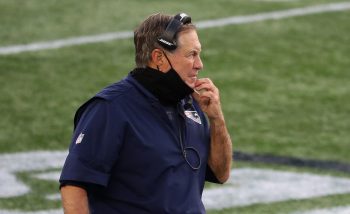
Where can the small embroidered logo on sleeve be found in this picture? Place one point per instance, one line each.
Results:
(80, 138)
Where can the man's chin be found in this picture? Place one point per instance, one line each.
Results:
(191, 83)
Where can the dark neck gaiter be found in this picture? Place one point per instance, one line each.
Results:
(168, 87)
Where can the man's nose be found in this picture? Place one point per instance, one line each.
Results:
(198, 63)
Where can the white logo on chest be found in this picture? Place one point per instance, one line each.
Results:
(193, 115)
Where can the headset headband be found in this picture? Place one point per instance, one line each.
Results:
(167, 40)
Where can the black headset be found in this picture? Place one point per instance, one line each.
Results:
(167, 39)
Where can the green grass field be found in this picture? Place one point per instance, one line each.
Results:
(284, 83)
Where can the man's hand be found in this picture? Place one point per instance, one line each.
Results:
(207, 95)
(220, 156)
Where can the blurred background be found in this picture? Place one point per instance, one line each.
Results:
(283, 78)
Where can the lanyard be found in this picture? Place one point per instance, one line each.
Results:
(190, 154)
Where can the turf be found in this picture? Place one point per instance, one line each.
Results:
(283, 83)
(285, 90)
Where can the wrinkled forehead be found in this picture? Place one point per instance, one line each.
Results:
(189, 40)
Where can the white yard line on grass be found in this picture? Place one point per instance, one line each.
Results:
(275, 15)
(276, 0)
(12, 163)
(248, 186)
(333, 210)
(14, 49)
(234, 20)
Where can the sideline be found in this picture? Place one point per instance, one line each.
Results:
(246, 186)
(292, 161)
(234, 20)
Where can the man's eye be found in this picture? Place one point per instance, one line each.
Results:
(194, 54)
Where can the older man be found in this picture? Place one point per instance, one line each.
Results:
(147, 143)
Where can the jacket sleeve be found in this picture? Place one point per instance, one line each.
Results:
(96, 142)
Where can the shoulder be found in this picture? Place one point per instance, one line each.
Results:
(116, 90)
(107, 99)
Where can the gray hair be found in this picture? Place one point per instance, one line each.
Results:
(146, 35)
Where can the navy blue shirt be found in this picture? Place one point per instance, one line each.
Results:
(127, 142)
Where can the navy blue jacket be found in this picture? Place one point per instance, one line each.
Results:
(126, 142)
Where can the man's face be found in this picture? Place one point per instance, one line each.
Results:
(186, 58)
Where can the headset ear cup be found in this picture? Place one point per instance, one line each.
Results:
(183, 18)
(167, 38)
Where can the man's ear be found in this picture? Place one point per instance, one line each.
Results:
(157, 57)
